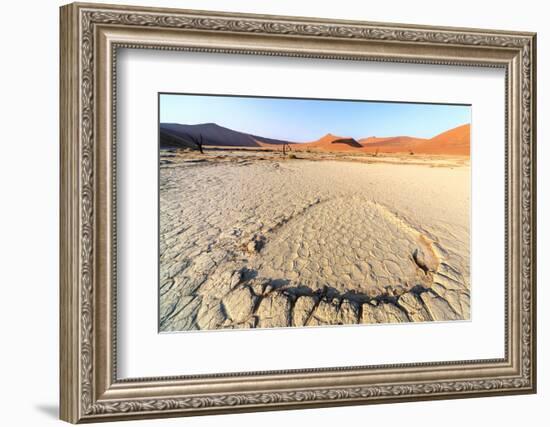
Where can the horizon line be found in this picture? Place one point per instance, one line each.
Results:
(322, 136)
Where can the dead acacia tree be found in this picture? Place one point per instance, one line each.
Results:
(285, 145)
(198, 142)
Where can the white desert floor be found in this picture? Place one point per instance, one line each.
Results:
(251, 239)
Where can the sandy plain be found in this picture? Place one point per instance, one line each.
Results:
(251, 238)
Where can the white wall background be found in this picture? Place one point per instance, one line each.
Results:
(29, 170)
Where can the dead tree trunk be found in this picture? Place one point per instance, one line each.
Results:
(200, 144)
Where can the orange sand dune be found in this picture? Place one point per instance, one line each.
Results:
(395, 144)
(330, 142)
(454, 141)
(373, 140)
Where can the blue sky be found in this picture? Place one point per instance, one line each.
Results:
(307, 120)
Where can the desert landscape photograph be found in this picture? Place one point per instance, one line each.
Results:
(292, 212)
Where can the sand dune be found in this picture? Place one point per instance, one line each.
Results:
(330, 142)
(397, 144)
(452, 142)
(183, 136)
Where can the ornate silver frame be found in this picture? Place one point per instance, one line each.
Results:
(90, 36)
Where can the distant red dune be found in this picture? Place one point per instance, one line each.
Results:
(394, 144)
(330, 142)
(455, 141)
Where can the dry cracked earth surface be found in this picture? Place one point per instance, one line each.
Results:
(255, 240)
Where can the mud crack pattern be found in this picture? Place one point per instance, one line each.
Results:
(251, 242)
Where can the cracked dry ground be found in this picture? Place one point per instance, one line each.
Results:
(250, 241)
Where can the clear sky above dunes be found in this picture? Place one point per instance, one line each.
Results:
(304, 120)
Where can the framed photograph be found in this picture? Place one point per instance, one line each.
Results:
(266, 212)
